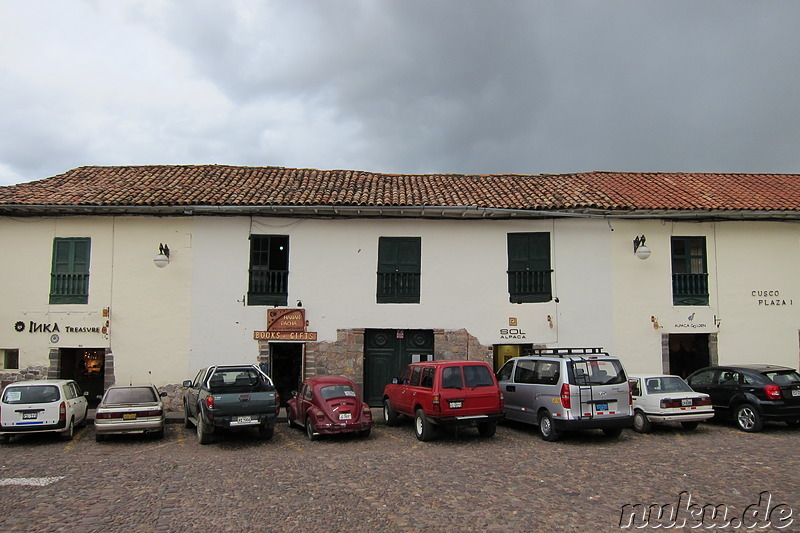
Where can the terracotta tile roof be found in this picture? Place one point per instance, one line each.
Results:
(233, 186)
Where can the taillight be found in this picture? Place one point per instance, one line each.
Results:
(367, 412)
(773, 392)
(320, 416)
(565, 399)
(670, 404)
(703, 401)
(630, 393)
(277, 403)
(210, 402)
(502, 401)
(62, 411)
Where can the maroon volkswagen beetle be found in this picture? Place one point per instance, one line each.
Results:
(329, 404)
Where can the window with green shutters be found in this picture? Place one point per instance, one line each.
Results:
(269, 270)
(689, 271)
(399, 269)
(529, 269)
(69, 277)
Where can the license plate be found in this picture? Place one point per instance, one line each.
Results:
(601, 407)
(796, 392)
(129, 416)
(686, 402)
(30, 416)
(455, 405)
(243, 420)
(345, 416)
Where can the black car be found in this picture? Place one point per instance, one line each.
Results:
(751, 394)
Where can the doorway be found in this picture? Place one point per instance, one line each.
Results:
(688, 352)
(387, 352)
(286, 367)
(87, 367)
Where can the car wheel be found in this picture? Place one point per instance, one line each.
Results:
(422, 427)
(487, 429)
(364, 434)
(689, 426)
(265, 432)
(186, 422)
(289, 417)
(546, 429)
(748, 419)
(99, 438)
(203, 433)
(310, 430)
(389, 414)
(640, 422)
(68, 433)
(612, 433)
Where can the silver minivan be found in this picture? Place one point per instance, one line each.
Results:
(565, 389)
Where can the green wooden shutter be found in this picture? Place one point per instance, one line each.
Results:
(529, 269)
(69, 277)
(399, 269)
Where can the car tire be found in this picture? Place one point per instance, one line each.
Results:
(690, 426)
(310, 430)
(68, 433)
(546, 429)
(289, 418)
(389, 414)
(203, 433)
(640, 422)
(423, 429)
(487, 429)
(266, 432)
(364, 434)
(748, 418)
(99, 438)
(612, 433)
(186, 422)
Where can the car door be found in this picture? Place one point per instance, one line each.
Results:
(729, 383)
(80, 405)
(409, 380)
(193, 393)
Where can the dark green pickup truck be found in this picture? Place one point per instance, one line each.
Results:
(230, 397)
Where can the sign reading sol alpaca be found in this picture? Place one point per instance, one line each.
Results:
(285, 325)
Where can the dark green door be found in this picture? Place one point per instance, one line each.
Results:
(387, 352)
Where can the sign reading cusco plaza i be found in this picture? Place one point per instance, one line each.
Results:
(285, 325)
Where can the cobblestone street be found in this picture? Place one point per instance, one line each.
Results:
(388, 482)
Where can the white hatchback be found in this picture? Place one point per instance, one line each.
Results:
(42, 406)
(661, 398)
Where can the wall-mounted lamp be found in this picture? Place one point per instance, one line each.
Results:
(162, 258)
(639, 249)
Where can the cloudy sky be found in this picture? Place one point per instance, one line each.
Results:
(408, 86)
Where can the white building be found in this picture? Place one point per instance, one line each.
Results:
(313, 272)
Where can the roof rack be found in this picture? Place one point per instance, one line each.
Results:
(567, 352)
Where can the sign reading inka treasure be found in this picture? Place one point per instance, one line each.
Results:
(285, 325)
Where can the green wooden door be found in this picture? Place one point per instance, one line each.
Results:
(387, 352)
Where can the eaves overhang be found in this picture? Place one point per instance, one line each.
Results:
(386, 211)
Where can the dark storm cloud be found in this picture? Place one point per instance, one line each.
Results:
(423, 86)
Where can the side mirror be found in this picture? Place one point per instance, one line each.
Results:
(294, 393)
(395, 381)
(187, 383)
(98, 397)
(163, 394)
(86, 393)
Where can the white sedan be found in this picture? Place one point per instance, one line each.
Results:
(663, 398)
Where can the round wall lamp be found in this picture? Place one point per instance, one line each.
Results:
(162, 258)
(639, 249)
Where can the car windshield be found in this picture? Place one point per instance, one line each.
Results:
(234, 377)
(598, 372)
(337, 391)
(785, 377)
(130, 395)
(666, 384)
(31, 394)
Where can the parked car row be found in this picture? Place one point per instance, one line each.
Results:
(557, 390)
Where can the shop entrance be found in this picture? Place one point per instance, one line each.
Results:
(286, 367)
(87, 367)
(387, 352)
(688, 352)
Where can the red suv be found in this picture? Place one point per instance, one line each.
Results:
(446, 394)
